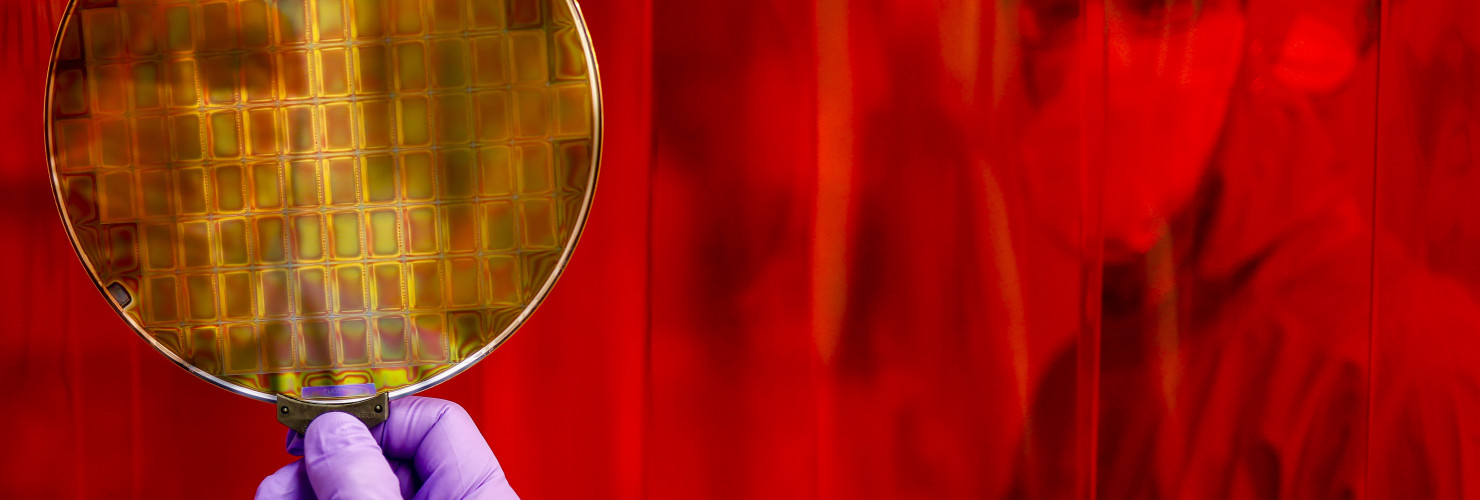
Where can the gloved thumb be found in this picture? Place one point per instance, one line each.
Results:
(343, 460)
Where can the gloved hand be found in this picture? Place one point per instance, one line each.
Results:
(427, 449)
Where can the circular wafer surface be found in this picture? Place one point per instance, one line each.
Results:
(306, 193)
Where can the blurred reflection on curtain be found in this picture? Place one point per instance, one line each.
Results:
(1242, 352)
(1233, 361)
(948, 307)
(1426, 383)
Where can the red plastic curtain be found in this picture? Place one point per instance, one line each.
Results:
(904, 249)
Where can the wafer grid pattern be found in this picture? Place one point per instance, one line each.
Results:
(304, 193)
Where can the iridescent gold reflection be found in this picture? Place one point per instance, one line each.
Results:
(303, 192)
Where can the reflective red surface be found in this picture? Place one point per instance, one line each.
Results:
(845, 249)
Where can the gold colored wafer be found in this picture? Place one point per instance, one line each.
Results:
(288, 194)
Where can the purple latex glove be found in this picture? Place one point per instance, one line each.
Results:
(427, 449)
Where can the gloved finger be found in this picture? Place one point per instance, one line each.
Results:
(406, 475)
(344, 461)
(440, 439)
(288, 483)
